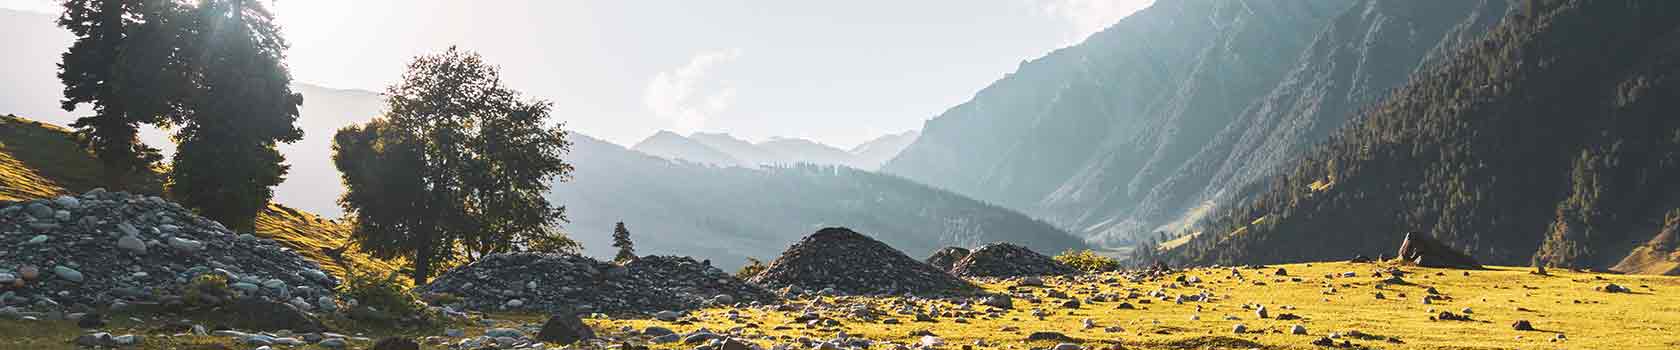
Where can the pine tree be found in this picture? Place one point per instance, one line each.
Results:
(457, 168)
(621, 240)
(227, 163)
(125, 62)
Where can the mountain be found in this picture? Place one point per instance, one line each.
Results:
(876, 152)
(669, 145)
(1179, 108)
(732, 213)
(725, 150)
(1552, 140)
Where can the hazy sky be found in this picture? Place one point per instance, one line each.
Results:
(840, 72)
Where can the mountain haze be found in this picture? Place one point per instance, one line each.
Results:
(722, 149)
(1179, 108)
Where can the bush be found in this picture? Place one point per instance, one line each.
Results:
(1087, 260)
(753, 267)
(389, 294)
(206, 289)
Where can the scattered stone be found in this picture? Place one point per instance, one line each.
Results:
(1049, 336)
(132, 244)
(667, 316)
(945, 258)
(91, 320)
(1067, 346)
(395, 343)
(1239, 329)
(999, 301)
(1298, 330)
(68, 274)
(650, 284)
(275, 316)
(1614, 288)
(1522, 325)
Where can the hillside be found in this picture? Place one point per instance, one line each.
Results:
(729, 214)
(1553, 140)
(726, 150)
(1179, 108)
(39, 160)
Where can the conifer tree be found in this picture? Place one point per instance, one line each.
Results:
(621, 240)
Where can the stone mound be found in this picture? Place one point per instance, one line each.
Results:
(946, 257)
(849, 263)
(108, 249)
(1008, 260)
(1423, 250)
(573, 283)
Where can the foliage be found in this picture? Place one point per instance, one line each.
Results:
(227, 163)
(389, 293)
(457, 168)
(206, 289)
(752, 268)
(621, 240)
(125, 64)
(1087, 260)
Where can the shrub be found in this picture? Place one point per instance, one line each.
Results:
(753, 267)
(1087, 260)
(388, 294)
(206, 289)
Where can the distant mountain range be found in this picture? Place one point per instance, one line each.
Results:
(724, 150)
(1180, 109)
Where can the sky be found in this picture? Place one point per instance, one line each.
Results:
(838, 72)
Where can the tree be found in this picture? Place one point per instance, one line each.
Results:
(226, 162)
(457, 168)
(621, 240)
(126, 62)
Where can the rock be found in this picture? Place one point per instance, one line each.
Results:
(1067, 346)
(947, 257)
(39, 210)
(1298, 330)
(395, 343)
(94, 339)
(666, 339)
(854, 264)
(132, 244)
(185, 245)
(454, 333)
(1239, 329)
(275, 316)
(333, 343)
(38, 239)
(503, 333)
(1261, 312)
(699, 337)
(326, 304)
(1049, 336)
(1613, 288)
(1422, 250)
(657, 331)
(90, 320)
(667, 316)
(723, 299)
(928, 341)
(5, 279)
(67, 274)
(1008, 260)
(565, 329)
(732, 344)
(514, 304)
(1032, 281)
(576, 283)
(1281, 272)
(1522, 325)
(125, 340)
(998, 301)
(1071, 304)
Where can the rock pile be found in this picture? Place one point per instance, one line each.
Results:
(1008, 260)
(1423, 250)
(564, 282)
(846, 262)
(947, 257)
(115, 249)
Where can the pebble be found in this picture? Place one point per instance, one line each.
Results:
(68, 274)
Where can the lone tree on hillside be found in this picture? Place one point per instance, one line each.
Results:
(457, 167)
(226, 164)
(621, 240)
(127, 64)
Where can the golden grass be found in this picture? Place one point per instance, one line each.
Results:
(1564, 302)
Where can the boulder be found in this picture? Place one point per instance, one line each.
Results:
(565, 328)
(275, 316)
(1422, 250)
(945, 258)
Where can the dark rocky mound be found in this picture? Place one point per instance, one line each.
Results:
(115, 249)
(1423, 250)
(947, 257)
(1008, 260)
(850, 263)
(572, 283)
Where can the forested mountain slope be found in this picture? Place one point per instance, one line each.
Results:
(1178, 107)
(732, 213)
(1554, 140)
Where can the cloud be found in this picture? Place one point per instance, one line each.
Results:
(1086, 17)
(687, 96)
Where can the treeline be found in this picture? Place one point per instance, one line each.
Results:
(1551, 141)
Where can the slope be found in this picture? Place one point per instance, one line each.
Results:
(40, 160)
(1179, 108)
(1550, 141)
(669, 145)
(732, 213)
